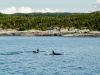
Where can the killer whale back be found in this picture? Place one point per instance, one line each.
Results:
(36, 51)
(53, 53)
(57, 54)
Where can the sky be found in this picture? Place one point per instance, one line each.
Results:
(29, 6)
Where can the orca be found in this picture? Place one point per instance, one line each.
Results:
(36, 51)
(53, 53)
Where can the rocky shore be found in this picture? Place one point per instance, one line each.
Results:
(49, 33)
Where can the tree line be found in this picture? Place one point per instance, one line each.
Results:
(41, 21)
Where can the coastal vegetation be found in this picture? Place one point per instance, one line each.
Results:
(43, 21)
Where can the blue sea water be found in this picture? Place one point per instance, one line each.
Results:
(81, 55)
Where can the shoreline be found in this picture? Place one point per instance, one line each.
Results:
(49, 33)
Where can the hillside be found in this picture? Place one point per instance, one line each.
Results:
(41, 21)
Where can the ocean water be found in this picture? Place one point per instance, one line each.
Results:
(81, 55)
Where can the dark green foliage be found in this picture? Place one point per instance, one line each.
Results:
(42, 21)
(99, 29)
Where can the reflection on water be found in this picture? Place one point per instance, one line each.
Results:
(81, 55)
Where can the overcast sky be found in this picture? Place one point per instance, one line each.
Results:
(29, 6)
